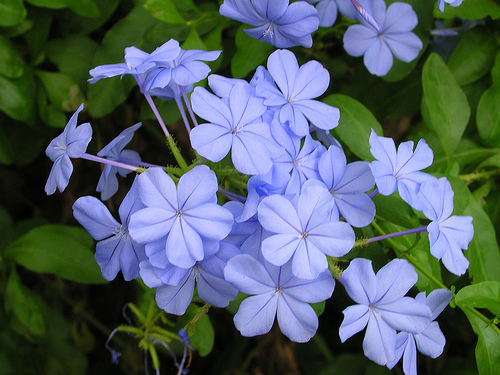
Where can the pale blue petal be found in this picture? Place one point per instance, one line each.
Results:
(379, 344)
(107, 256)
(271, 9)
(400, 18)
(355, 319)
(357, 178)
(176, 299)
(360, 281)
(278, 249)
(378, 58)
(311, 81)
(357, 209)
(211, 141)
(314, 206)
(331, 166)
(394, 280)
(214, 290)
(335, 239)
(437, 301)
(248, 275)
(405, 47)
(210, 221)
(297, 320)
(256, 314)
(157, 189)
(310, 291)
(184, 245)
(321, 115)
(150, 224)
(196, 187)
(431, 342)
(242, 11)
(406, 314)
(80, 139)
(211, 108)
(277, 215)
(358, 38)
(308, 261)
(283, 67)
(410, 357)
(95, 217)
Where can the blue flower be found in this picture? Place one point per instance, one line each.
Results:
(72, 143)
(279, 23)
(393, 38)
(298, 86)
(430, 341)
(304, 233)
(400, 170)
(235, 125)
(185, 217)
(382, 306)
(116, 250)
(275, 291)
(108, 183)
(448, 235)
(453, 3)
(327, 11)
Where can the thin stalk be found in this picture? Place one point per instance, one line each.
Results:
(98, 159)
(188, 106)
(151, 103)
(178, 101)
(177, 153)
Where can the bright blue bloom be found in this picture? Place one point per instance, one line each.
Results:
(275, 291)
(382, 306)
(298, 86)
(72, 143)
(430, 342)
(116, 250)
(303, 234)
(184, 70)
(400, 170)
(453, 3)
(235, 125)
(280, 24)
(448, 235)
(393, 38)
(347, 184)
(185, 217)
(211, 286)
(108, 183)
(136, 61)
(327, 11)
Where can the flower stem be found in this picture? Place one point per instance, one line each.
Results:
(468, 178)
(188, 106)
(151, 103)
(98, 159)
(178, 101)
(397, 234)
(176, 152)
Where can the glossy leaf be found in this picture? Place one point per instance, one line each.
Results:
(164, 10)
(485, 295)
(204, 336)
(12, 11)
(249, 55)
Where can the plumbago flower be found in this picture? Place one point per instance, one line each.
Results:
(275, 291)
(298, 86)
(400, 170)
(72, 143)
(394, 37)
(186, 217)
(279, 23)
(108, 183)
(381, 306)
(448, 235)
(430, 341)
(116, 250)
(327, 11)
(453, 3)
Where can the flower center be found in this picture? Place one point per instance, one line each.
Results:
(270, 30)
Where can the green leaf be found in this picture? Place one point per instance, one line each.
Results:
(16, 97)
(51, 4)
(485, 295)
(470, 10)
(12, 11)
(393, 209)
(474, 55)
(493, 161)
(488, 346)
(483, 252)
(48, 112)
(204, 337)
(422, 253)
(488, 116)
(447, 104)
(60, 250)
(11, 65)
(60, 87)
(164, 10)
(24, 304)
(250, 53)
(85, 8)
(193, 41)
(356, 122)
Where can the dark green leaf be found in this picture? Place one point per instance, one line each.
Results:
(48, 112)
(85, 8)
(60, 88)
(422, 253)
(11, 65)
(249, 55)
(470, 10)
(392, 208)
(356, 122)
(59, 250)
(164, 10)
(493, 161)
(488, 116)
(193, 41)
(51, 4)
(474, 55)
(16, 97)
(484, 295)
(447, 104)
(25, 305)
(204, 336)
(12, 11)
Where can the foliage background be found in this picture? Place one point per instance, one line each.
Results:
(57, 312)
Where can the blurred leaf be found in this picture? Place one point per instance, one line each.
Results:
(488, 346)
(193, 41)
(52, 4)
(493, 161)
(59, 87)
(422, 253)
(85, 8)
(16, 98)
(485, 295)
(49, 114)
(11, 65)
(12, 11)
(474, 55)
(36, 36)
(204, 336)
(164, 10)
(483, 252)
(447, 104)
(64, 251)
(355, 125)
(470, 10)
(72, 23)
(488, 116)
(250, 53)
(392, 208)
(25, 305)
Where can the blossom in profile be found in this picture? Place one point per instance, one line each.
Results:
(453, 3)
(448, 235)
(393, 38)
(277, 22)
(382, 306)
(275, 291)
(72, 143)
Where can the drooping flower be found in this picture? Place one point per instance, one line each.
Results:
(279, 23)
(116, 250)
(275, 291)
(393, 38)
(448, 235)
(72, 143)
(108, 183)
(382, 306)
